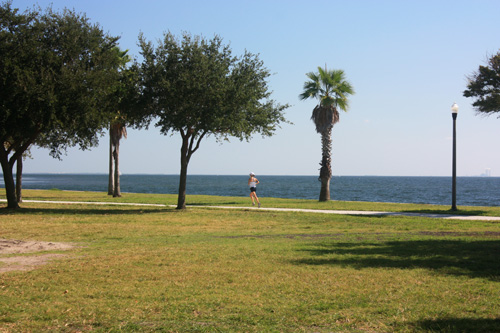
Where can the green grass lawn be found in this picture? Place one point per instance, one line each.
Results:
(203, 270)
(205, 200)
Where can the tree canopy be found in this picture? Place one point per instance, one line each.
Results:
(332, 90)
(57, 73)
(484, 87)
(196, 87)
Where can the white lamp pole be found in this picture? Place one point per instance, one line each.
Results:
(454, 113)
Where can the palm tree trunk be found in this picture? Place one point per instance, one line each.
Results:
(116, 155)
(19, 178)
(325, 174)
(111, 184)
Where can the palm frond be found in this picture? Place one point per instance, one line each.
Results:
(329, 86)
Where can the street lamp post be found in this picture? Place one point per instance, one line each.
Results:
(454, 113)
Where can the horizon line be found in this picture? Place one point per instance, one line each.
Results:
(274, 175)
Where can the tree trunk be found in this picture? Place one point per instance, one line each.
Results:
(325, 174)
(111, 184)
(19, 178)
(324, 194)
(181, 199)
(116, 156)
(8, 178)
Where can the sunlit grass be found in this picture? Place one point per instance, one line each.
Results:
(159, 269)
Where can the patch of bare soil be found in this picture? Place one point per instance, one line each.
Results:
(26, 263)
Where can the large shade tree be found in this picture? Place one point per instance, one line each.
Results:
(197, 88)
(484, 87)
(56, 72)
(332, 90)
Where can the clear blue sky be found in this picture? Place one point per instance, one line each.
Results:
(407, 60)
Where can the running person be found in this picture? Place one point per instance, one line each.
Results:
(252, 183)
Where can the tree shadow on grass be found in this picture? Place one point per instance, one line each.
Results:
(222, 203)
(447, 212)
(85, 211)
(453, 325)
(476, 258)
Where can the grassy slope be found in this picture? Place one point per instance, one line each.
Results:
(153, 268)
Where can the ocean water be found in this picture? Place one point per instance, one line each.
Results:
(471, 191)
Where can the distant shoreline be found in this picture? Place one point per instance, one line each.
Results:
(238, 175)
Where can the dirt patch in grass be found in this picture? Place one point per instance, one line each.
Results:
(26, 263)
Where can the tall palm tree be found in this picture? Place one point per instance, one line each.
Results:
(332, 90)
(117, 130)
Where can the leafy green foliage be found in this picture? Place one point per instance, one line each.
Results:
(124, 101)
(197, 85)
(332, 90)
(57, 71)
(484, 87)
(329, 86)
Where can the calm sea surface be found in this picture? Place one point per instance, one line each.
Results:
(471, 191)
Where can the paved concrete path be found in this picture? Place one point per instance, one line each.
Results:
(318, 211)
(365, 213)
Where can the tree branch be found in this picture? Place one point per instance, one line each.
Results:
(20, 151)
(199, 141)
